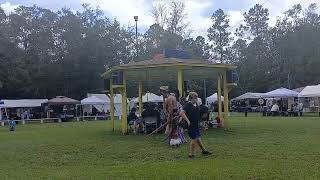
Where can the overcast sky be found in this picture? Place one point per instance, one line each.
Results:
(199, 11)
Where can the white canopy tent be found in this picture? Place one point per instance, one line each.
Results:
(249, 95)
(149, 97)
(106, 103)
(313, 94)
(93, 100)
(310, 91)
(89, 102)
(22, 103)
(280, 93)
(213, 98)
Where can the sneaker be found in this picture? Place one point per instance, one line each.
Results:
(206, 153)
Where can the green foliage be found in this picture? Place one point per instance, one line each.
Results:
(157, 39)
(45, 53)
(219, 35)
(49, 53)
(286, 55)
(198, 48)
(256, 20)
(176, 21)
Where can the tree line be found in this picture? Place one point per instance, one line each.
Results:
(45, 53)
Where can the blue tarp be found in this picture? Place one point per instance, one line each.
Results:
(170, 53)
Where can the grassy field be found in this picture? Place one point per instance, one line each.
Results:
(256, 148)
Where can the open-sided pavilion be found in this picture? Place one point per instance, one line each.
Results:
(175, 69)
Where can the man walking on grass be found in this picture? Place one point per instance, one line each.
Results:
(192, 112)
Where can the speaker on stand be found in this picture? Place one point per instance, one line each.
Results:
(117, 78)
(232, 76)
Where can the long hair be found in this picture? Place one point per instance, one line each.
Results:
(171, 104)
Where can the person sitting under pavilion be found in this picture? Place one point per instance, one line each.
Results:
(275, 109)
(133, 121)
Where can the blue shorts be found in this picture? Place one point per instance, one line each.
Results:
(194, 133)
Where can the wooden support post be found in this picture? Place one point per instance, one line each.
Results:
(226, 101)
(140, 97)
(23, 122)
(59, 120)
(219, 97)
(124, 105)
(112, 104)
(180, 82)
(2, 123)
(41, 121)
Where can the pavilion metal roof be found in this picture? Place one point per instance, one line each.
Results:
(171, 63)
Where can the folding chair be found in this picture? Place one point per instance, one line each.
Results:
(150, 124)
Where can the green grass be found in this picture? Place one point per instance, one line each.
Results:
(256, 148)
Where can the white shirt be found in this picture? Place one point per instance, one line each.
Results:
(275, 108)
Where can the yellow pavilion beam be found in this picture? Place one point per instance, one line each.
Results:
(219, 96)
(180, 82)
(112, 104)
(124, 105)
(140, 97)
(226, 100)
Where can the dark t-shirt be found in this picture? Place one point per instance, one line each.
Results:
(132, 116)
(204, 111)
(193, 114)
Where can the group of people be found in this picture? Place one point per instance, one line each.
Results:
(295, 109)
(95, 112)
(19, 114)
(135, 121)
(176, 118)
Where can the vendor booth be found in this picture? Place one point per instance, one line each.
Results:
(62, 107)
(248, 102)
(286, 100)
(91, 106)
(21, 108)
(310, 97)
